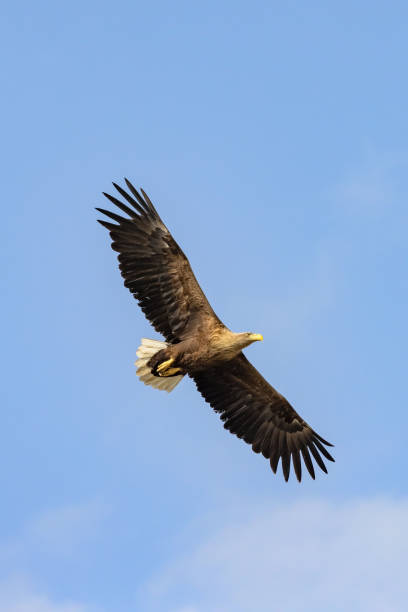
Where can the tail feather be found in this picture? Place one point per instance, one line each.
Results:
(145, 352)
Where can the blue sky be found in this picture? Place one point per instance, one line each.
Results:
(272, 138)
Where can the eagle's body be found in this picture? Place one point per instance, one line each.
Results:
(204, 349)
(198, 344)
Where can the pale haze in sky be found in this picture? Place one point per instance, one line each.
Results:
(272, 138)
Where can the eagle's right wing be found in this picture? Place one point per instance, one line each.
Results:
(154, 267)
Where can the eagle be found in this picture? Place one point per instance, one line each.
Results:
(198, 344)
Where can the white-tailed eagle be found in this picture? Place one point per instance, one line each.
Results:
(198, 344)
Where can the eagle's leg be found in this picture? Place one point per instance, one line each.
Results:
(164, 365)
(172, 372)
(164, 368)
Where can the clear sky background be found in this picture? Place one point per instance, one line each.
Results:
(272, 136)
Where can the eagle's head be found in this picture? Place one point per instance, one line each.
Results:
(246, 338)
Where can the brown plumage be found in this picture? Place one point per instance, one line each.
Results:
(198, 344)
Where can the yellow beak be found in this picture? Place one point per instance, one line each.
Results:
(255, 337)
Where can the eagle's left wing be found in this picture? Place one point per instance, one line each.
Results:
(253, 410)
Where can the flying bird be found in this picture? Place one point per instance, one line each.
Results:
(198, 344)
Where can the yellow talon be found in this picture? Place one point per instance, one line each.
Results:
(163, 366)
(172, 371)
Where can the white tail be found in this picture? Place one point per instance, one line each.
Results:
(146, 350)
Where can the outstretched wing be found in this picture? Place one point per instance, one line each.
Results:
(253, 410)
(154, 267)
